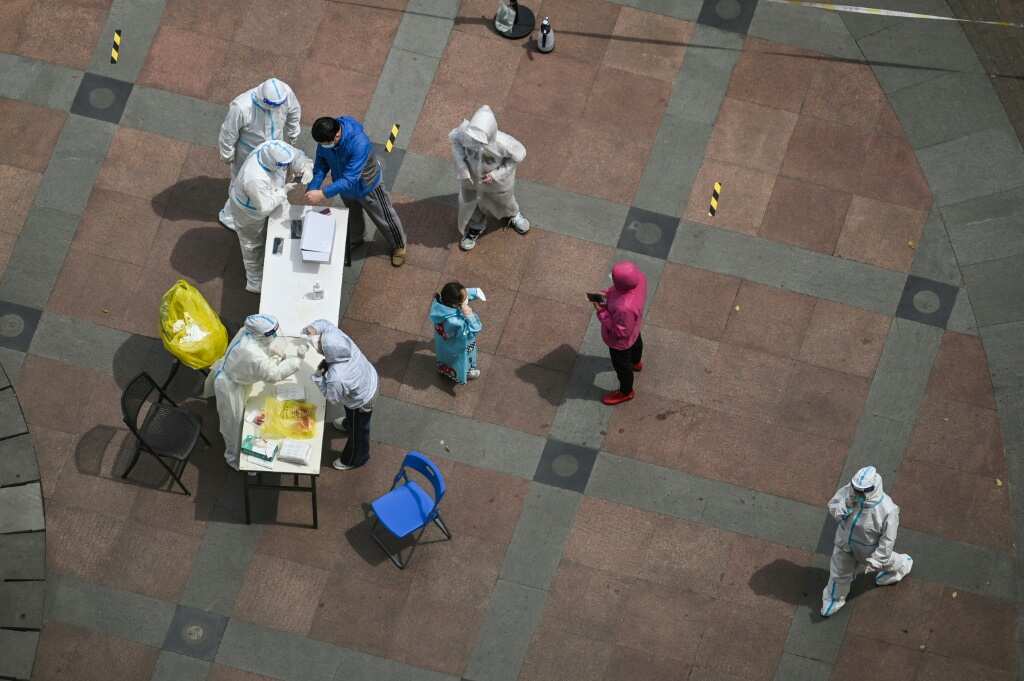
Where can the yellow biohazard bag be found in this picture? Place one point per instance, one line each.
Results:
(189, 328)
(288, 419)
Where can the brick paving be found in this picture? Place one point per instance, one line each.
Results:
(751, 389)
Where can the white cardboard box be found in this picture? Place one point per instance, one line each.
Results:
(317, 237)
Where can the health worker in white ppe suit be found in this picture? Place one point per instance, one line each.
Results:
(254, 355)
(868, 521)
(269, 111)
(262, 185)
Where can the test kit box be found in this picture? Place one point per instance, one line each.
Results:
(317, 237)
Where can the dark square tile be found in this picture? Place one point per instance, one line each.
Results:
(17, 325)
(101, 98)
(195, 633)
(648, 233)
(391, 162)
(565, 465)
(927, 301)
(728, 15)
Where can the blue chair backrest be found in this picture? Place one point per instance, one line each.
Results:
(425, 467)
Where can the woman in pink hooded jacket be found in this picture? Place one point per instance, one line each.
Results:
(621, 314)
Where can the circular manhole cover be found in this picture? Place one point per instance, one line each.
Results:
(565, 465)
(926, 302)
(646, 233)
(102, 98)
(11, 325)
(728, 9)
(193, 633)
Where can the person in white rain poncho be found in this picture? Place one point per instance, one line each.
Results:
(261, 186)
(269, 111)
(485, 166)
(868, 521)
(254, 355)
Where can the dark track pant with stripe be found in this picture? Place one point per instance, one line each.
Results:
(383, 214)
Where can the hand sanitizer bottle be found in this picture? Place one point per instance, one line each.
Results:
(547, 37)
(318, 292)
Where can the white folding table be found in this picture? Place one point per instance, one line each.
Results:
(287, 294)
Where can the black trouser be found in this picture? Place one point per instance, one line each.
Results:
(357, 451)
(623, 361)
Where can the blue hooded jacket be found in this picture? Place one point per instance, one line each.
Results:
(454, 339)
(345, 161)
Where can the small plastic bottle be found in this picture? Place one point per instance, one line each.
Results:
(318, 292)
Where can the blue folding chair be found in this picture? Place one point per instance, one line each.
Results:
(408, 507)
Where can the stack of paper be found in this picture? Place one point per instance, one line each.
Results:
(317, 237)
(290, 391)
(294, 452)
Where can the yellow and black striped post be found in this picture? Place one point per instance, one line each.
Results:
(115, 51)
(715, 193)
(390, 144)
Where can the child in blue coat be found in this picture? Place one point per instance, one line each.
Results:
(455, 330)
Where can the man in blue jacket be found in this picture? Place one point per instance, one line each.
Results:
(344, 149)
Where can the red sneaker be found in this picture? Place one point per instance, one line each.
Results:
(639, 366)
(616, 397)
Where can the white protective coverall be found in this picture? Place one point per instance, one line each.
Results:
(269, 111)
(254, 355)
(478, 148)
(260, 187)
(866, 534)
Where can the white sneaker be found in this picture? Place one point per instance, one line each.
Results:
(469, 240)
(519, 223)
(341, 423)
(338, 465)
(253, 289)
(473, 373)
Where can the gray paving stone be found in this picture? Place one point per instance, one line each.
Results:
(934, 257)
(513, 615)
(357, 666)
(982, 163)
(974, 568)
(195, 633)
(38, 82)
(11, 420)
(996, 290)
(582, 419)
(795, 668)
(947, 107)
(426, 177)
(787, 267)
(173, 115)
(774, 519)
(1004, 347)
(282, 655)
(23, 556)
(21, 508)
(814, 637)
(673, 164)
(651, 488)
(687, 10)
(5, 380)
(861, 25)
(538, 541)
(447, 9)
(17, 460)
(108, 611)
(17, 325)
(74, 165)
(219, 567)
(583, 217)
(465, 440)
(804, 27)
(700, 86)
(962, 318)
(80, 342)
(988, 227)
(879, 442)
(11, 361)
(916, 51)
(400, 93)
(138, 21)
(903, 370)
(21, 604)
(174, 667)
(17, 653)
(423, 33)
(38, 257)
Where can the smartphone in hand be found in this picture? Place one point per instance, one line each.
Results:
(596, 298)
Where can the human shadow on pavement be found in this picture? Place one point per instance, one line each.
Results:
(788, 582)
(582, 373)
(194, 198)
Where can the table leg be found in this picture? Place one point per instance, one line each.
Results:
(245, 481)
(316, 522)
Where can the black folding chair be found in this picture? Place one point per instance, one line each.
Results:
(166, 430)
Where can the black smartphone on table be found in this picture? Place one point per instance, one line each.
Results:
(278, 245)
